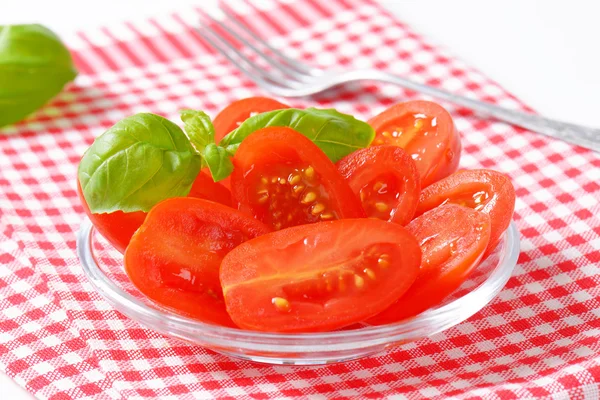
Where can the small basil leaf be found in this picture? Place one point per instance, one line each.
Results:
(140, 161)
(335, 133)
(199, 128)
(218, 161)
(34, 67)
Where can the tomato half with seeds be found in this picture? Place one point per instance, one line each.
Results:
(386, 181)
(426, 131)
(283, 179)
(237, 112)
(319, 277)
(485, 190)
(453, 239)
(118, 227)
(175, 255)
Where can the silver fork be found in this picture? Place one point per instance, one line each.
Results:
(288, 77)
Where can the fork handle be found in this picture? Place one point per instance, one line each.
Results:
(580, 135)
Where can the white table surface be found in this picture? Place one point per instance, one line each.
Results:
(543, 51)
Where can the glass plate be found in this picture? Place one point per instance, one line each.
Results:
(103, 266)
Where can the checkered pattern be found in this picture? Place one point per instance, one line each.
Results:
(59, 339)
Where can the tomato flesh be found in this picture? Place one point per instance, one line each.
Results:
(485, 190)
(453, 239)
(426, 131)
(283, 179)
(318, 277)
(174, 257)
(386, 181)
(118, 227)
(237, 112)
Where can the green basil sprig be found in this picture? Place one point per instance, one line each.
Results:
(335, 133)
(34, 67)
(140, 161)
(201, 132)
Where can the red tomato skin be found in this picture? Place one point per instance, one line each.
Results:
(118, 227)
(273, 145)
(362, 166)
(174, 257)
(500, 203)
(240, 110)
(205, 188)
(448, 159)
(445, 266)
(303, 249)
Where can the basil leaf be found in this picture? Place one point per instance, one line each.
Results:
(335, 133)
(34, 67)
(199, 128)
(140, 161)
(218, 162)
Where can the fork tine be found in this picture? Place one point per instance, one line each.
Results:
(294, 64)
(237, 58)
(283, 68)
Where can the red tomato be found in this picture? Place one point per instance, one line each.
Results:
(205, 188)
(426, 131)
(118, 227)
(453, 239)
(385, 180)
(237, 112)
(485, 190)
(319, 277)
(283, 179)
(174, 257)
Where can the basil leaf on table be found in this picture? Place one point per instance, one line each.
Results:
(34, 67)
(218, 161)
(140, 161)
(335, 133)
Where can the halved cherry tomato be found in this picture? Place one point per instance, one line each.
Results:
(426, 131)
(118, 227)
(174, 257)
(320, 276)
(386, 181)
(453, 239)
(283, 179)
(485, 190)
(237, 112)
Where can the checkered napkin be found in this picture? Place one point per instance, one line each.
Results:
(59, 339)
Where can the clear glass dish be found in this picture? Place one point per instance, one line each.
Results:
(103, 265)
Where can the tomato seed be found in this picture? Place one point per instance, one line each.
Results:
(327, 215)
(359, 282)
(309, 172)
(383, 263)
(294, 179)
(369, 273)
(281, 304)
(381, 207)
(318, 208)
(309, 198)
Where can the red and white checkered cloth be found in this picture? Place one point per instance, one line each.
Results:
(60, 340)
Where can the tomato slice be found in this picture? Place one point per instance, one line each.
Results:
(453, 239)
(319, 277)
(485, 190)
(283, 179)
(386, 181)
(174, 257)
(426, 131)
(118, 227)
(237, 112)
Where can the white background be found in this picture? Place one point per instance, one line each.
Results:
(546, 52)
